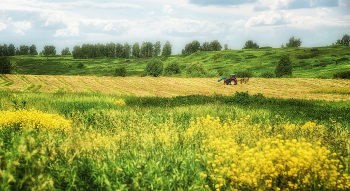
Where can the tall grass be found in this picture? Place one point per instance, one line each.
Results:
(162, 146)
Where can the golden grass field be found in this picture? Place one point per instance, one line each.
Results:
(298, 88)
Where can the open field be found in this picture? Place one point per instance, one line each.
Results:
(319, 62)
(297, 88)
(259, 143)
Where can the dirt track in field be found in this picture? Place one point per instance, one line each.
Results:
(167, 87)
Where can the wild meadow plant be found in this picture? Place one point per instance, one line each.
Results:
(243, 156)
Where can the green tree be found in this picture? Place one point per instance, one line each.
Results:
(5, 65)
(166, 49)
(226, 47)
(66, 51)
(250, 45)
(147, 49)
(196, 69)
(17, 51)
(173, 67)
(11, 50)
(136, 50)
(345, 40)
(154, 67)
(293, 42)
(156, 48)
(183, 51)
(127, 50)
(77, 52)
(282, 46)
(5, 50)
(284, 66)
(119, 50)
(32, 50)
(195, 46)
(49, 50)
(205, 47)
(24, 50)
(215, 45)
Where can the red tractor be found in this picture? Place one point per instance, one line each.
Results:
(230, 80)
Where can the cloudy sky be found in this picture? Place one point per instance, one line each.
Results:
(65, 23)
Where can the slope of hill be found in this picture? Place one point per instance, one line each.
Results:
(321, 62)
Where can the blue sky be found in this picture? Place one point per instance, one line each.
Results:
(66, 23)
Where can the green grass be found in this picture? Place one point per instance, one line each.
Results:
(322, 63)
(142, 145)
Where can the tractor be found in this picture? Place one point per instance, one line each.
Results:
(230, 80)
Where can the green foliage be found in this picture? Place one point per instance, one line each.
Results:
(215, 45)
(284, 66)
(251, 45)
(196, 69)
(226, 47)
(166, 49)
(345, 41)
(244, 74)
(66, 51)
(147, 49)
(23, 50)
(173, 67)
(313, 49)
(265, 47)
(342, 75)
(120, 71)
(205, 47)
(293, 42)
(32, 50)
(80, 65)
(49, 50)
(267, 74)
(5, 65)
(157, 47)
(136, 50)
(154, 67)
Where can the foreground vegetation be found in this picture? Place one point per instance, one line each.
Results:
(320, 62)
(108, 142)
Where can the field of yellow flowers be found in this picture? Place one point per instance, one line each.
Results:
(74, 141)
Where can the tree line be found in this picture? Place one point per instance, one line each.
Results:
(112, 50)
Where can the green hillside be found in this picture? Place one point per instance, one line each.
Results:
(320, 62)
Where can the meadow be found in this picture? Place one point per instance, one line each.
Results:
(61, 131)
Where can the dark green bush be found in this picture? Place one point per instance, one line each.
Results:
(342, 75)
(313, 49)
(80, 65)
(154, 67)
(244, 73)
(196, 69)
(284, 66)
(267, 74)
(5, 65)
(173, 67)
(120, 71)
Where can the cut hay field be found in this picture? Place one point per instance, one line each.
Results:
(297, 88)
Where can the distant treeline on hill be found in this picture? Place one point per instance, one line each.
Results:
(147, 49)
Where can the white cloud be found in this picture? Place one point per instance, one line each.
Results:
(265, 18)
(168, 9)
(323, 12)
(2, 26)
(151, 13)
(24, 25)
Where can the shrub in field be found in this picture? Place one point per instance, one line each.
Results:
(120, 71)
(20, 119)
(267, 74)
(5, 65)
(173, 67)
(284, 66)
(196, 69)
(80, 65)
(342, 75)
(154, 67)
(244, 74)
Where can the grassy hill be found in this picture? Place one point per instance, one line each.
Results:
(320, 62)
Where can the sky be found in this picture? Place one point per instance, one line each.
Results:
(65, 23)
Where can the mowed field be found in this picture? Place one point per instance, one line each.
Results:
(297, 88)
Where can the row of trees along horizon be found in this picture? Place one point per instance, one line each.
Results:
(147, 49)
